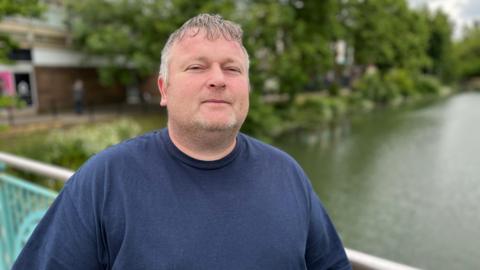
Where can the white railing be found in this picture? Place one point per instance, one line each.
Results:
(40, 168)
(359, 260)
(363, 261)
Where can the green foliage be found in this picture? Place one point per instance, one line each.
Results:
(334, 89)
(371, 87)
(396, 86)
(70, 148)
(129, 35)
(427, 85)
(400, 81)
(20, 7)
(287, 41)
(262, 121)
(11, 102)
(6, 46)
(28, 8)
(467, 54)
(440, 45)
(387, 33)
(311, 111)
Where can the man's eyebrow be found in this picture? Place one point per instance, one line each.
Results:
(232, 60)
(197, 58)
(205, 59)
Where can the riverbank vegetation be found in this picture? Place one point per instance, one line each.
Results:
(70, 147)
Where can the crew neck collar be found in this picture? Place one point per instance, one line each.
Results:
(201, 164)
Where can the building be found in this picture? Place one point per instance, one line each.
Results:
(45, 66)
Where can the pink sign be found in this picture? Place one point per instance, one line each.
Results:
(6, 83)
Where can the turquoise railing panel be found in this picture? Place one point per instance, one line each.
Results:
(22, 205)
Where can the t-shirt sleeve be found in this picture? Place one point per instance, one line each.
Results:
(324, 247)
(66, 237)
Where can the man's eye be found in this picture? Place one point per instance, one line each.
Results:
(234, 69)
(194, 67)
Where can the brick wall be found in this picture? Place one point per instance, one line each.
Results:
(54, 86)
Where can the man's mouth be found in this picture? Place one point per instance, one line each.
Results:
(216, 101)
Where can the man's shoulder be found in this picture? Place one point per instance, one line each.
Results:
(267, 152)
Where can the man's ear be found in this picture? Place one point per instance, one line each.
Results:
(162, 87)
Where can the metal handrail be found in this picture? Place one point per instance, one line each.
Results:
(359, 260)
(40, 168)
(363, 261)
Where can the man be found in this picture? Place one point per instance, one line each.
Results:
(196, 195)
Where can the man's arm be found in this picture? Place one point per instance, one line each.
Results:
(324, 247)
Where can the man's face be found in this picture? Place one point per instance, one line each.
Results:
(207, 86)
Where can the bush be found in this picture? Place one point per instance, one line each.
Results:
(334, 89)
(372, 87)
(428, 85)
(394, 87)
(314, 110)
(70, 148)
(399, 81)
(11, 102)
(262, 120)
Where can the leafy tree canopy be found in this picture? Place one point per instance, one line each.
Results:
(28, 8)
(387, 33)
(287, 40)
(440, 44)
(467, 52)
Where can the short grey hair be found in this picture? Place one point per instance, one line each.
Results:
(214, 26)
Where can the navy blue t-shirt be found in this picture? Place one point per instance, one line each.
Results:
(144, 204)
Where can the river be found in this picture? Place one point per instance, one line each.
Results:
(402, 184)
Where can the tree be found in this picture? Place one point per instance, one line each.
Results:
(440, 44)
(388, 34)
(129, 35)
(27, 8)
(290, 41)
(467, 53)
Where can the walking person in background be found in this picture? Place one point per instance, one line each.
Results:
(196, 195)
(23, 91)
(78, 95)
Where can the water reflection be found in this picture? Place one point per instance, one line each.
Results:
(402, 184)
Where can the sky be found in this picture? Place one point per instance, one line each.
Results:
(461, 12)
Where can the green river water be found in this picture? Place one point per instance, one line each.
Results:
(402, 184)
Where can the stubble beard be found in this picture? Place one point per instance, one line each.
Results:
(198, 126)
(206, 125)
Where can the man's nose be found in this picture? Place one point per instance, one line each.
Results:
(217, 78)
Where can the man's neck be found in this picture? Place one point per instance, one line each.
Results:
(203, 145)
